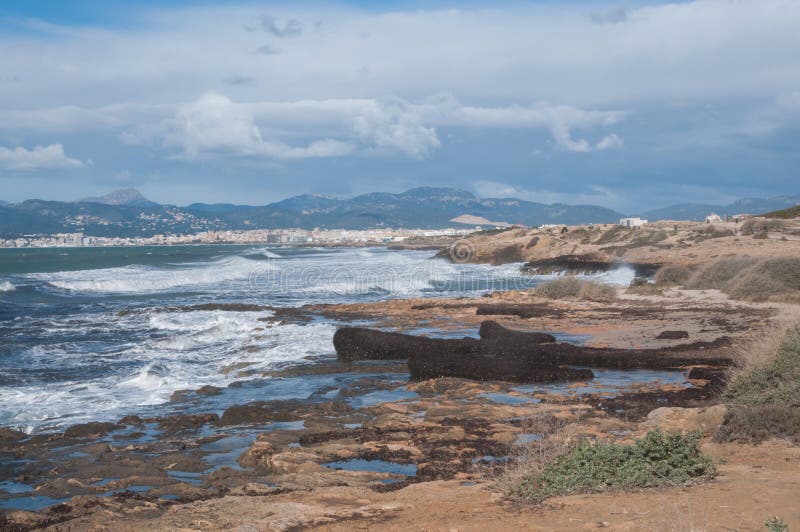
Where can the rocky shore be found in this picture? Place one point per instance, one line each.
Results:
(596, 248)
(372, 438)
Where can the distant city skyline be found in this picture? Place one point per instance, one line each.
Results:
(616, 104)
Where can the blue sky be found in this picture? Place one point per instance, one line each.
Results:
(630, 105)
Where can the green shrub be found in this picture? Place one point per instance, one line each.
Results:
(755, 424)
(791, 212)
(658, 459)
(763, 397)
(673, 275)
(776, 524)
(770, 382)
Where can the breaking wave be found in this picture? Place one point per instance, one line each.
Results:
(137, 278)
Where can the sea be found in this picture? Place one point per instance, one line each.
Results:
(94, 334)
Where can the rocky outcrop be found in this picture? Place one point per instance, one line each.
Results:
(491, 330)
(672, 335)
(504, 354)
(488, 365)
(584, 264)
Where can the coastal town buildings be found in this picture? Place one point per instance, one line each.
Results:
(257, 236)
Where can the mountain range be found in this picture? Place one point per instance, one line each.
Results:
(698, 211)
(127, 213)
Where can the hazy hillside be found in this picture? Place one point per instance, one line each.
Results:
(698, 211)
(128, 213)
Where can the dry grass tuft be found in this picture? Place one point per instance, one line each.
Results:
(528, 461)
(767, 280)
(719, 273)
(569, 287)
(673, 275)
(755, 226)
(745, 278)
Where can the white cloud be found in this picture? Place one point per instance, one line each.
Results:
(39, 158)
(610, 142)
(395, 124)
(509, 53)
(215, 125)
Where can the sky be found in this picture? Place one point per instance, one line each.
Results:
(631, 105)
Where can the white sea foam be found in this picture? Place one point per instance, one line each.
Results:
(621, 276)
(264, 252)
(137, 278)
(6, 286)
(186, 350)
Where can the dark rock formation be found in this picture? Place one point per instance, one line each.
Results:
(503, 354)
(358, 343)
(10, 437)
(487, 365)
(584, 264)
(569, 263)
(93, 429)
(491, 330)
(717, 377)
(672, 335)
(523, 311)
(278, 411)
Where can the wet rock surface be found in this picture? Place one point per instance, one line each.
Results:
(441, 429)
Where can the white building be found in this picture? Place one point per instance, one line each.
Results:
(713, 218)
(632, 222)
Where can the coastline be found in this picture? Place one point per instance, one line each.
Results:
(282, 445)
(334, 444)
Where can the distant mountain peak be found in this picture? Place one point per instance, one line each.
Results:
(124, 196)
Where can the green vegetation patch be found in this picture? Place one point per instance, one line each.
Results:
(764, 397)
(791, 212)
(775, 382)
(659, 459)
